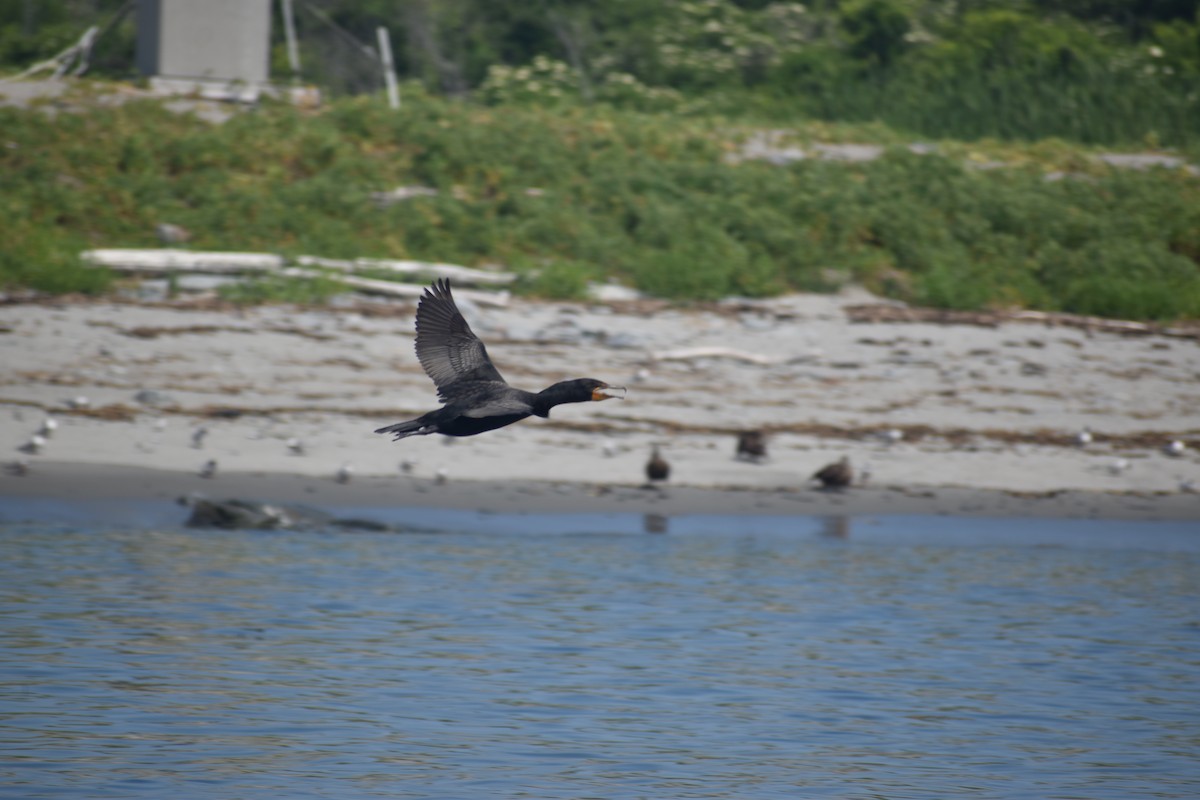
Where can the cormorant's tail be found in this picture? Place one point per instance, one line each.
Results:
(413, 427)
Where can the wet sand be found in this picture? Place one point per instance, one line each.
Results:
(381, 496)
(986, 415)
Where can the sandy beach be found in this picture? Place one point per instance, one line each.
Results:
(937, 418)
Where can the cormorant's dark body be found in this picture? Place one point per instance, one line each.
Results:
(477, 399)
(450, 421)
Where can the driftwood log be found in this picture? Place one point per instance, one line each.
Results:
(395, 289)
(423, 269)
(175, 262)
(885, 312)
(161, 262)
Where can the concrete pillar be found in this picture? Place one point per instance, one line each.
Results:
(205, 42)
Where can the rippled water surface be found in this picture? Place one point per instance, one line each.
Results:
(585, 658)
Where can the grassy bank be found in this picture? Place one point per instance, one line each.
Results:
(574, 194)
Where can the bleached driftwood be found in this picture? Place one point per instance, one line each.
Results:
(881, 312)
(693, 353)
(426, 269)
(1084, 321)
(166, 261)
(171, 260)
(77, 54)
(158, 262)
(393, 289)
(402, 193)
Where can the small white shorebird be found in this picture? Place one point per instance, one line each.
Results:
(34, 445)
(49, 426)
(198, 437)
(295, 446)
(209, 470)
(1084, 437)
(345, 473)
(1175, 448)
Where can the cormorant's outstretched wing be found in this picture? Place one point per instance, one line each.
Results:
(448, 350)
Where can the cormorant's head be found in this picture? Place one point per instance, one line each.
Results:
(580, 390)
(602, 391)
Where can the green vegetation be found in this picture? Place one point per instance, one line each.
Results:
(275, 289)
(1109, 72)
(944, 70)
(570, 194)
(581, 141)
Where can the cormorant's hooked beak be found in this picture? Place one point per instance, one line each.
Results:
(607, 392)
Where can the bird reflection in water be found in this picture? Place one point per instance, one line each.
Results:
(836, 527)
(656, 523)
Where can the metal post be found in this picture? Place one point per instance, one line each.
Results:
(289, 30)
(389, 71)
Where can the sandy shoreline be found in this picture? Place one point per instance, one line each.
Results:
(389, 497)
(988, 415)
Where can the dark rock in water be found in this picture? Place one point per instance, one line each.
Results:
(237, 514)
(367, 525)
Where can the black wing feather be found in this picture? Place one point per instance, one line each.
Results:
(449, 351)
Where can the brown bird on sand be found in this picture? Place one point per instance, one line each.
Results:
(657, 468)
(475, 397)
(751, 446)
(837, 475)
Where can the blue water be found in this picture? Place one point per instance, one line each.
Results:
(580, 657)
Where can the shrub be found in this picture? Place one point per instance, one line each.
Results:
(578, 194)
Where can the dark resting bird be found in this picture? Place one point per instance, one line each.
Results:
(837, 475)
(475, 397)
(751, 446)
(657, 468)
